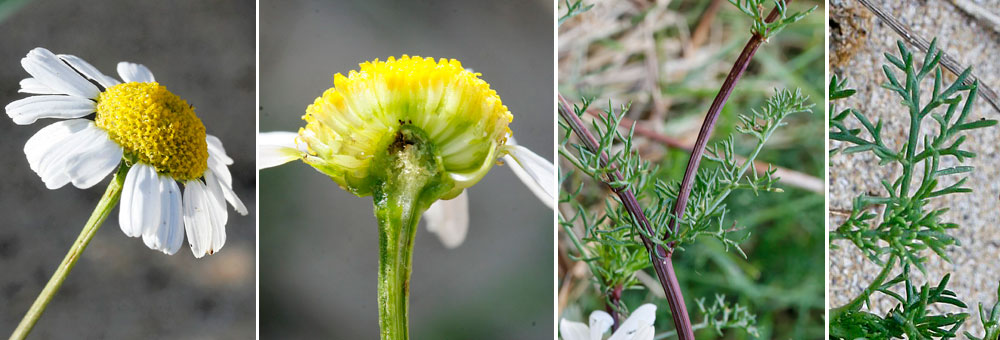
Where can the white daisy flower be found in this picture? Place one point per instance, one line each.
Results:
(638, 326)
(141, 123)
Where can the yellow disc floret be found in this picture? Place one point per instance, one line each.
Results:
(156, 127)
(461, 116)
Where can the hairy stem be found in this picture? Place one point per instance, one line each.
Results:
(713, 116)
(104, 207)
(659, 256)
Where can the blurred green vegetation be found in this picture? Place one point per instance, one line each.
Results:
(8, 7)
(782, 279)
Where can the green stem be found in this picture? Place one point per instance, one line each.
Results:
(911, 144)
(397, 229)
(855, 304)
(410, 179)
(104, 207)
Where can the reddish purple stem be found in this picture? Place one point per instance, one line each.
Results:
(659, 255)
(713, 115)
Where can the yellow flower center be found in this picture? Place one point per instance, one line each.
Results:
(156, 127)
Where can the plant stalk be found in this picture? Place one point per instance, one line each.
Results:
(784, 175)
(409, 181)
(659, 256)
(397, 229)
(615, 299)
(713, 116)
(855, 304)
(108, 202)
(911, 144)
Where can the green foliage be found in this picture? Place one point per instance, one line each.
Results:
(706, 209)
(781, 281)
(755, 10)
(608, 244)
(573, 9)
(720, 315)
(910, 317)
(991, 322)
(838, 90)
(906, 227)
(611, 244)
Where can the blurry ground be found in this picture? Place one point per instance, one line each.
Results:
(668, 60)
(319, 243)
(975, 269)
(203, 52)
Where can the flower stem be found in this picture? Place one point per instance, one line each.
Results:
(659, 256)
(104, 207)
(739, 67)
(612, 305)
(397, 228)
(409, 181)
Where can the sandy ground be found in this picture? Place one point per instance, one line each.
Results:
(975, 269)
(203, 52)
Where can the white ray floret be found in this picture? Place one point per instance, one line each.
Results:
(638, 326)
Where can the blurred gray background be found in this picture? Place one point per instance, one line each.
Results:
(318, 249)
(203, 51)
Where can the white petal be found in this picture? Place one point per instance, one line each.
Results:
(38, 145)
(168, 234)
(202, 233)
(216, 164)
(538, 174)
(217, 199)
(139, 208)
(56, 75)
(637, 324)
(449, 219)
(131, 72)
(600, 322)
(276, 148)
(35, 86)
(215, 147)
(225, 179)
(93, 163)
(645, 333)
(28, 110)
(51, 165)
(570, 330)
(89, 70)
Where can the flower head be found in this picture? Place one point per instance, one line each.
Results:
(448, 106)
(139, 122)
(463, 118)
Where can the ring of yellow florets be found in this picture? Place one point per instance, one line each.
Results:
(463, 118)
(156, 127)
